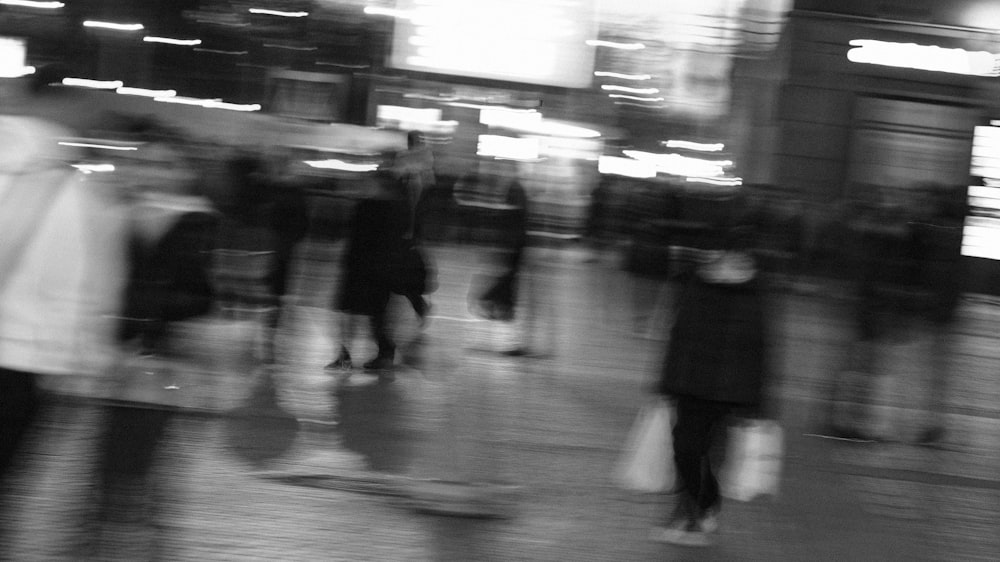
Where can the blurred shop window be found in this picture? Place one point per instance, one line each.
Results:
(311, 96)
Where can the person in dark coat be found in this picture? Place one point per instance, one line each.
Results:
(717, 364)
(377, 234)
(503, 203)
(939, 237)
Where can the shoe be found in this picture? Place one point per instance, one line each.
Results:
(342, 362)
(685, 533)
(709, 521)
(379, 364)
(423, 315)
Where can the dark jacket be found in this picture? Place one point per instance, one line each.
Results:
(170, 277)
(718, 345)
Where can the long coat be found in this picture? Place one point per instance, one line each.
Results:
(718, 345)
(377, 234)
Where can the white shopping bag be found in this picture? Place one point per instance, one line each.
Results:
(753, 460)
(647, 463)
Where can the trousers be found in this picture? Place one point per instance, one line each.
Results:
(698, 421)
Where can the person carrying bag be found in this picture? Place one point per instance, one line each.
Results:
(717, 365)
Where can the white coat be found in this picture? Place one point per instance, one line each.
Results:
(59, 298)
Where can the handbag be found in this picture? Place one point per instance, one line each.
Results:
(647, 462)
(753, 460)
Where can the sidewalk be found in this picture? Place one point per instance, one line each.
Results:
(545, 430)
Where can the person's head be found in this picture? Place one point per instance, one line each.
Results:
(414, 140)
(729, 267)
(728, 257)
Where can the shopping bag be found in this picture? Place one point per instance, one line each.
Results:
(647, 462)
(753, 460)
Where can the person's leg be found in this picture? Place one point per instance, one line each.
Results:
(419, 305)
(942, 349)
(380, 330)
(698, 494)
(20, 401)
(345, 331)
(696, 422)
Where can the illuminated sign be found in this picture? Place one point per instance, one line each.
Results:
(529, 41)
(12, 56)
(924, 57)
(981, 235)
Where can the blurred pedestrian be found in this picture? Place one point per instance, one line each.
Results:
(415, 168)
(939, 236)
(62, 265)
(171, 230)
(377, 232)
(882, 270)
(717, 364)
(504, 202)
(266, 216)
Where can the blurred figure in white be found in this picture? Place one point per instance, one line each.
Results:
(62, 263)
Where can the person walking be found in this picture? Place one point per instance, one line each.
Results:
(377, 233)
(62, 265)
(268, 216)
(716, 365)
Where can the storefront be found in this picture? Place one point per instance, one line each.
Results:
(893, 99)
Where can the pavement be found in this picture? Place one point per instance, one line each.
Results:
(470, 454)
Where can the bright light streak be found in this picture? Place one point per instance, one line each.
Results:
(114, 26)
(16, 72)
(33, 4)
(279, 13)
(623, 76)
(981, 238)
(210, 103)
(625, 167)
(99, 146)
(615, 45)
(409, 114)
(511, 148)
(290, 47)
(645, 91)
(219, 52)
(187, 101)
(334, 164)
(391, 12)
(688, 145)
(482, 106)
(924, 57)
(169, 41)
(730, 182)
(124, 90)
(682, 165)
(95, 84)
(627, 97)
(90, 168)
(511, 119)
